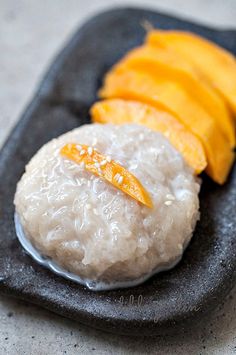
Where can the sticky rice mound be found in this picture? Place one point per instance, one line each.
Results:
(93, 229)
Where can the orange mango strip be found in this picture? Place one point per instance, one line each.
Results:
(107, 169)
(162, 63)
(169, 96)
(213, 63)
(117, 111)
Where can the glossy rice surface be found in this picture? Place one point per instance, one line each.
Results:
(94, 230)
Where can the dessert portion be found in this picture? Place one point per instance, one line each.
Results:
(109, 233)
(111, 203)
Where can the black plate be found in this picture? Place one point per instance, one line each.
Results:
(166, 302)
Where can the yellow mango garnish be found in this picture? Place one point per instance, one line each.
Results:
(103, 166)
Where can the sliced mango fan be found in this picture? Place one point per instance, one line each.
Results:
(183, 86)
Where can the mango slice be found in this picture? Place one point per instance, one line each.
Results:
(108, 169)
(213, 63)
(119, 111)
(170, 96)
(161, 63)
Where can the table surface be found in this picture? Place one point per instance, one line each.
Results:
(31, 32)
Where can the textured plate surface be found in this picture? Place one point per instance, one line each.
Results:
(168, 301)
